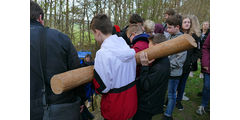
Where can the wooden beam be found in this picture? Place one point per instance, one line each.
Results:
(74, 78)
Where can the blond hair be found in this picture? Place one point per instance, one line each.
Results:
(149, 26)
(195, 26)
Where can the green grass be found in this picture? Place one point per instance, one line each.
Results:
(193, 86)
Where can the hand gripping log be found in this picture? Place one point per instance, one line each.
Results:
(71, 79)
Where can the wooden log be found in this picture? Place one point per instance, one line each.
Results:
(71, 79)
(169, 47)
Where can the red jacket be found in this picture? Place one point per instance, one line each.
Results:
(114, 78)
(140, 42)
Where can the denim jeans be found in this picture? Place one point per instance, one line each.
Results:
(181, 86)
(172, 88)
(206, 90)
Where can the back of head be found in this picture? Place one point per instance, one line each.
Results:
(158, 38)
(102, 23)
(35, 11)
(134, 28)
(195, 27)
(159, 28)
(149, 26)
(170, 12)
(174, 20)
(135, 18)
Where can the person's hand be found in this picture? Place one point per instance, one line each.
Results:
(149, 62)
(206, 68)
(81, 108)
(144, 59)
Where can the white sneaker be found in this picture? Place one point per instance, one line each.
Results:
(200, 110)
(185, 98)
(191, 74)
(201, 75)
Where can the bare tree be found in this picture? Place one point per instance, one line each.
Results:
(67, 18)
(55, 13)
(50, 14)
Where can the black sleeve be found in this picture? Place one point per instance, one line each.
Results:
(123, 34)
(80, 91)
(148, 78)
(196, 51)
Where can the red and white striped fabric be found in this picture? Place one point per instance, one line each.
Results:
(114, 78)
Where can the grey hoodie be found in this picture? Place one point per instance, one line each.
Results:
(177, 60)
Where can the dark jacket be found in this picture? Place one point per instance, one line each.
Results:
(206, 55)
(61, 57)
(152, 86)
(192, 56)
(203, 38)
(123, 34)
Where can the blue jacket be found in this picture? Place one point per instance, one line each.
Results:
(61, 57)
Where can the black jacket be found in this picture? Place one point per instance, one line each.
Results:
(61, 57)
(152, 86)
(123, 34)
(192, 56)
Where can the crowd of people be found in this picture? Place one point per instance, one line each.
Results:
(128, 90)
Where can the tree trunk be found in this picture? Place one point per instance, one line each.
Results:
(50, 16)
(45, 13)
(67, 19)
(55, 13)
(73, 20)
(60, 19)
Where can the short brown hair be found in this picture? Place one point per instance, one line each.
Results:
(135, 18)
(35, 11)
(134, 28)
(174, 20)
(158, 38)
(101, 22)
(170, 12)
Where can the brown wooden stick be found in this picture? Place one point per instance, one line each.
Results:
(71, 79)
(169, 47)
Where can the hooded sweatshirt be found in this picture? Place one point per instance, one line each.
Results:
(139, 43)
(114, 75)
(177, 60)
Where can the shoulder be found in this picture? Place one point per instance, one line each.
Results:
(55, 34)
(103, 54)
(143, 44)
(161, 64)
(140, 45)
